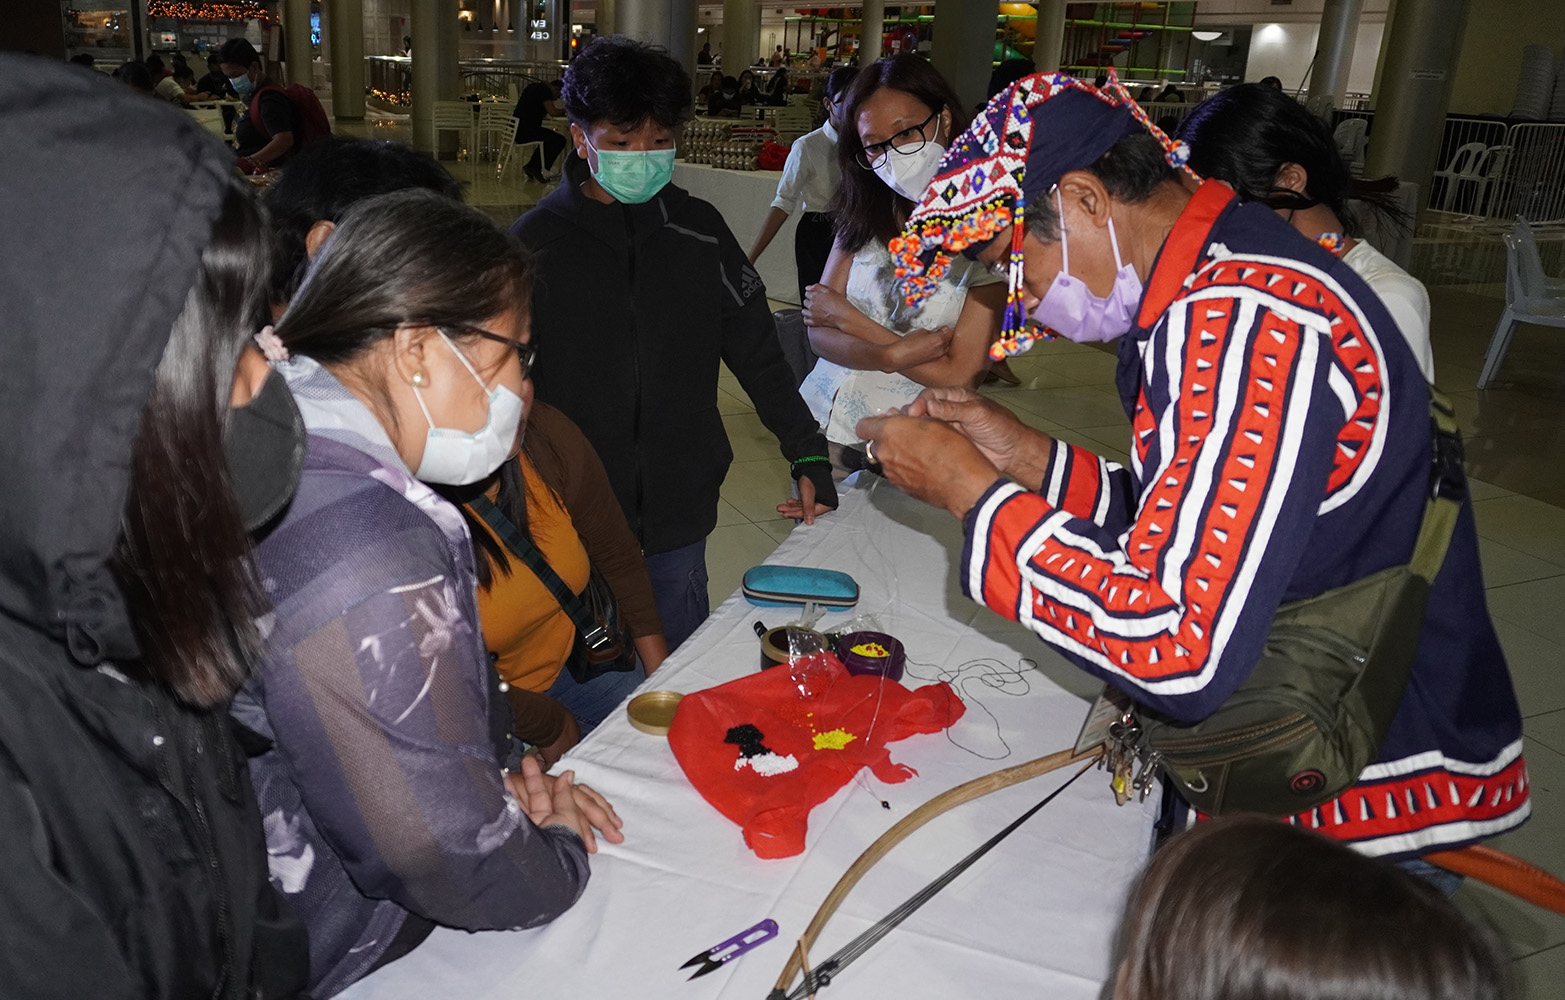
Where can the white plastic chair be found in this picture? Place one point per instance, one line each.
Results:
(457, 116)
(1530, 296)
(496, 132)
(1351, 142)
(1465, 165)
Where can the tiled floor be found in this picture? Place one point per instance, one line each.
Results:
(1515, 434)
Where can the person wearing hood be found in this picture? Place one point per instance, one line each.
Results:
(408, 352)
(899, 117)
(130, 839)
(642, 292)
(1284, 446)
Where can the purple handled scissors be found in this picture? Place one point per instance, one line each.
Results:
(735, 946)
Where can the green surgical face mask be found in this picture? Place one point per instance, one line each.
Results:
(633, 176)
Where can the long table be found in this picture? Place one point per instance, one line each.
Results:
(743, 198)
(1035, 918)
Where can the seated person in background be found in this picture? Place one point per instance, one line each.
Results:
(186, 78)
(642, 292)
(777, 90)
(1281, 447)
(539, 101)
(1270, 149)
(136, 76)
(323, 182)
(387, 811)
(557, 494)
(1270, 81)
(899, 118)
(132, 841)
(1170, 95)
(749, 93)
(1247, 908)
(726, 100)
(163, 82)
(264, 132)
(215, 83)
(83, 59)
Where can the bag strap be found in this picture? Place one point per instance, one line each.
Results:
(1447, 489)
(592, 632)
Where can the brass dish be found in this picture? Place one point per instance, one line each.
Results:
(653, 712)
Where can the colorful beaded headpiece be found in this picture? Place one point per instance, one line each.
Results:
(1018, 148)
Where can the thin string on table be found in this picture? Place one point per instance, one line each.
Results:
(857, 773)
(991, 673)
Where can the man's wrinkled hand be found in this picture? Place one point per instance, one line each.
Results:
(929, 459)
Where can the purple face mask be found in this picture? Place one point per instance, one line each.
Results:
(1070, 309)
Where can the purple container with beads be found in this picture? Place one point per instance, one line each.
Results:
(872, 654)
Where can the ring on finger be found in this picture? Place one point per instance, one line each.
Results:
(869, 452)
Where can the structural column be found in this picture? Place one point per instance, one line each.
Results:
(296, 38)
(646, 21)
(1049, 38)
(682, 17)
(1339, 25)
(606, 18)
(433, 25)
(1424, 39)
(347, 58)
(741, 35)
(964, 46)
(873, 30)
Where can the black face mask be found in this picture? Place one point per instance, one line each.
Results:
(264, 452)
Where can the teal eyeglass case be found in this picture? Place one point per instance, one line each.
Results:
(785, 586)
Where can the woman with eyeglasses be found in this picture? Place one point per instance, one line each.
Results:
(898, 119)
(380, 729)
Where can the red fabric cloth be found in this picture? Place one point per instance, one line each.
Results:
(767, 748)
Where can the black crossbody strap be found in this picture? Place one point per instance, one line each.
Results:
(1448, 488)
(593, 634)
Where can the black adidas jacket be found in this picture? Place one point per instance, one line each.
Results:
(633, 308)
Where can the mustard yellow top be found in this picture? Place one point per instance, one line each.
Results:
(522, 621)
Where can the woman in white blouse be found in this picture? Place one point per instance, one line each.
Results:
(875, 353)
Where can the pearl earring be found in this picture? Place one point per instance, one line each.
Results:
(418, 378)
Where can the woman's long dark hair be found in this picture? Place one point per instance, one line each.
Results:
(1251, 908)
(413, 258)
(182, 560)
(1245, 134)
(865, 208)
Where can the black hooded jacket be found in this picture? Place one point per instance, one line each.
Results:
(130, 844)
(633, 307)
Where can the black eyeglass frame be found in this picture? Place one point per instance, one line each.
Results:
(526, 353)
(889, 146)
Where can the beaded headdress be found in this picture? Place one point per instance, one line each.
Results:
(1029, 135)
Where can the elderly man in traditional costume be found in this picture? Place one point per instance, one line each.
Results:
(1281, 448)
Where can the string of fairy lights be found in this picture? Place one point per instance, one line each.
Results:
(200, 10)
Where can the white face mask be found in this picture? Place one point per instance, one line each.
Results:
(457, 458)
(909, 174)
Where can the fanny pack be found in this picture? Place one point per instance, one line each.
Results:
(1315, 710)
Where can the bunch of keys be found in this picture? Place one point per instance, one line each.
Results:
(1133, 767)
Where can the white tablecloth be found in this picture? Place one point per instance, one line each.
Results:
(1035, 918)
(744, 197)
